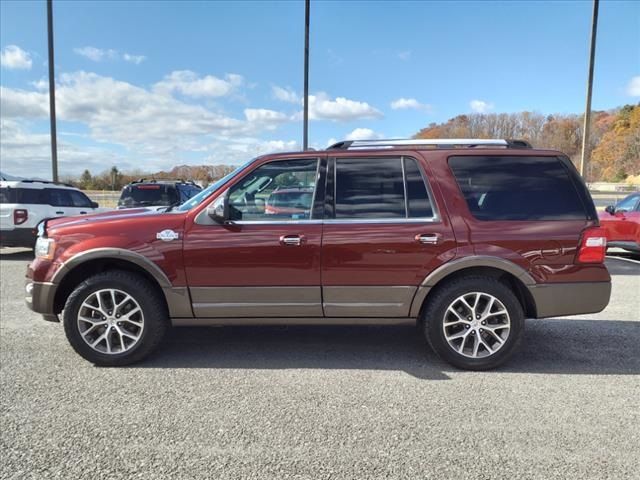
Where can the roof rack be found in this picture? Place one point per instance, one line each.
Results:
(162, 181)
(431, 142)
(27, 180)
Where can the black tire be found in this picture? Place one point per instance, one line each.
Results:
(154, 310)
(445, 295)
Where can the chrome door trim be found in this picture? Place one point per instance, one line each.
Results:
(355, 221)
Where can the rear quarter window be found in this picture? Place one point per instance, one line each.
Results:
(517, 188)
(30, 196)
(8, 195)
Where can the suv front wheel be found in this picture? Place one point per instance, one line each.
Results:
(474, 323)
(115, 318)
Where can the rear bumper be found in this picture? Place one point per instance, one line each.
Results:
(560, 299)
(18, 237)
(40, 298)
(627, 245)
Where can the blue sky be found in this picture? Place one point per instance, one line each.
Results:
(150, 85)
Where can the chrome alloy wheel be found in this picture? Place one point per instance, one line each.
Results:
(476, 325)
(110, 321)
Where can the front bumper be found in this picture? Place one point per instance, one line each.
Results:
(560, 299)
(40, 298)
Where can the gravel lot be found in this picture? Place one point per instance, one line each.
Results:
(315, 402)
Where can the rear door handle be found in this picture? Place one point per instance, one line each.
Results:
(83, 213)
(428, 238)
(60, 213)
(292, 240)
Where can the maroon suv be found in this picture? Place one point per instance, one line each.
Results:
(466, 238)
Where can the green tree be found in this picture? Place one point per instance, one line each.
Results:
(116, 178)
(86, 180)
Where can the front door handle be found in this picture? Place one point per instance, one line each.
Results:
(428, 238)
(83, 213)
(59, 213)
(292, 240)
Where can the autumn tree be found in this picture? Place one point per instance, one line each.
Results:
(615, 141)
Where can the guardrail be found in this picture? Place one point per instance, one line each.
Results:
(608, 187)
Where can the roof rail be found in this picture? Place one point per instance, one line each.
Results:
(430, 142)
(27, 180)
(162, 181)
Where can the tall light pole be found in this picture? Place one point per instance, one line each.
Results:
(305, 120)
(584, 161)
(52, 95)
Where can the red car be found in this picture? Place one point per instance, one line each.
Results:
(289, 201)
(465, 238)
(622, 223)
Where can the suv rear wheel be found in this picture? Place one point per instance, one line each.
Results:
(115, 318)
(474, 323)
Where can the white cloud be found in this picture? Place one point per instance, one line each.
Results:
(633, 88)
(96, 54)
(137, 59)
(409, 104)
(117, 111)
(286, 94)
(28, 155)
(190, 84)
(23, 103)
(155, 130)
(322, 107)
(263, 118)
(13, 57)
(362, 134)
(480, 106)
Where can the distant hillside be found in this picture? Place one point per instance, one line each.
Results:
(615, 136)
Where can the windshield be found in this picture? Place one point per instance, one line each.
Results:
(206, 193)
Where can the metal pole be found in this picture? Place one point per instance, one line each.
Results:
(52, 95)
(305, 126)
(584, 162)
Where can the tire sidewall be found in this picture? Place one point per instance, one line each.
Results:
(139, 290)
(435, 313)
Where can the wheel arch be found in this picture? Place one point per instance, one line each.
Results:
(83, 265)
(512, 275)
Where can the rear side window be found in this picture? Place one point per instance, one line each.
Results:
(59, 197)
(369, 188)
(517, 188)
(379, 188)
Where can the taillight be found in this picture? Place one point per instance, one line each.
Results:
(20, 216)
(593, 246)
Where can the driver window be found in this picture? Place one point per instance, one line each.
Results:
(280, 190)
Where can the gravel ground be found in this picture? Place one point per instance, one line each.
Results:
(316, 402)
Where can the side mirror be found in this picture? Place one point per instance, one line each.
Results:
(218, 211)
(95, 204)
(611, 210)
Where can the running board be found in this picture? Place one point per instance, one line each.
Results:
(214, 322)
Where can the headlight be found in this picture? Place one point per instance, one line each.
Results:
(45, 247)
